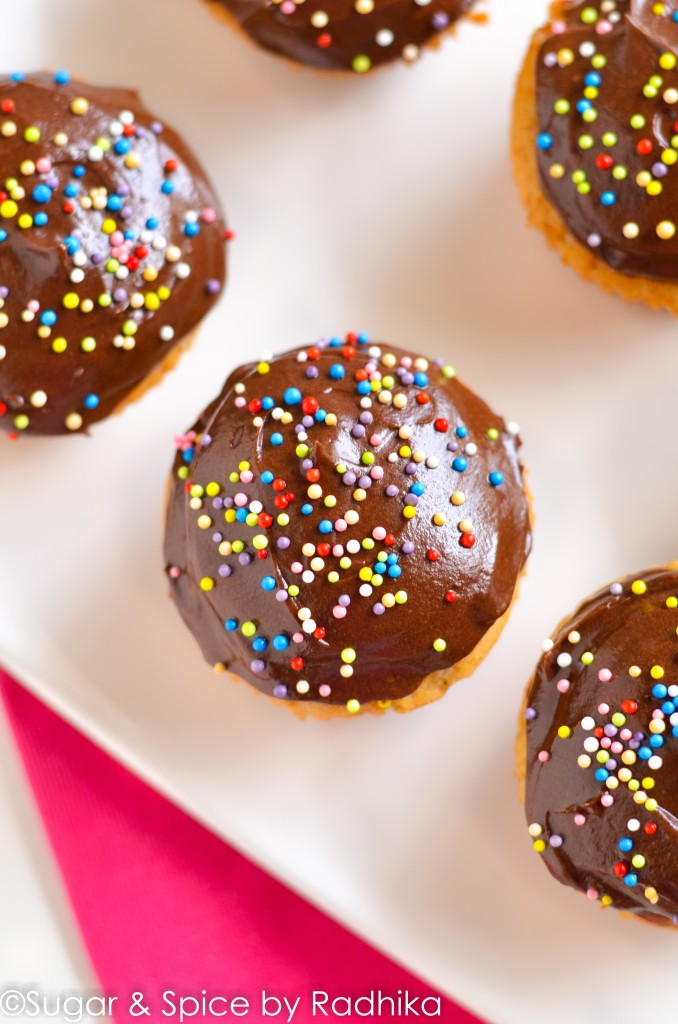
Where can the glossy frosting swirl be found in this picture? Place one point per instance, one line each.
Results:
(602, 748)
(343, 521)
(111, 249)
(607, 105)
(349, 35)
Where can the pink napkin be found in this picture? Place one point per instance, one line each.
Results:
(163, 904)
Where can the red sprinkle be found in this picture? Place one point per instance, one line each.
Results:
(319, 633)
(432, 555)
(620, 869)
(629, 707)
(297, 664)
(309, 406)
(8, 106)
(441, 425)
(604, 162)
(423, 398)
(278, 485)
(324, 549)
(467, 540)
(265, 520)
(450, 596)
(644, 147)
(651, 828)
(324, 40)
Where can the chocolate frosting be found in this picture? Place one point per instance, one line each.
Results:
(607, 106)
(602, 754)
(386, 526)
(111, 249)
(345, 34)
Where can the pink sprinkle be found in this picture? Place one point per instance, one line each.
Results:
(324, 690)
(240, 499)
(606, 742)
(338, 611)
(240, 402)
(579, 819)
(604, 709)
(379, 533)
(370, 367)
(607, 799)
(43, 165)
(33, 306)
(117, 238)
(603, 27)
(340, 525)
(376, 472)
(297, 567)
(543, 755)
(376, 440)
(563, 685)
(175, 572)
(625, 734)
(658, 713)
(558, 27)
(298, 638)
(406, 362)
(287, 7)
(338, 550)
(605, 675)
(592, 894)
(209, 215)
(247, 476)
(617, 747)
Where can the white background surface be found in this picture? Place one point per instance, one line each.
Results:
(382, 204)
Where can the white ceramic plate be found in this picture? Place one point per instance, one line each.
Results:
(382, 204)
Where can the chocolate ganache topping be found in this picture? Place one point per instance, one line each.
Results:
(607, 104)
(345, 34)
(111, 249)
(602, 748)
(344, 520)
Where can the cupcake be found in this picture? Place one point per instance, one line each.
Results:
(346, 527)
(597, 747)
(344, 35)
(111, 251)
(595, 140)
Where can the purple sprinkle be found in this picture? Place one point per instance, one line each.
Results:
(411, 468)
(258, 665)
(281, 595)
(610, 730)
(218, 504)
(156, 127)
(344, 601)
(308, 421)
(212, 286)
(366, 417)
(119, 294)
(530, 714)
(97, 258)
(205, 440)
(225, 570)
(312, 371)
(298, 429)
(407, 379)
(280, 691)
(639, 736)
(4, 291)
(556, 841)
(244, 558)
(307, 464)
(439, 21)
(611, 765)
(217, 537)
(408, 547)
(391, 490)
(452, 446)
(126, 212)
(659, 170)
(616, 589)
(378, 608)
(365, 482)
(282, 543)
(123, 190)
(348, 478)
(358, 430)
(228, 501)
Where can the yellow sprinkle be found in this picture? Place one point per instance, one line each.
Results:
(353, 706)
(79, 106)
(639, 587)
(348, 655)
(409, 511)
(564, 732)
(657, 672)
(206, 583)
(539, 845)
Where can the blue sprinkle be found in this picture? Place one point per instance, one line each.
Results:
(268, 583)
(645, 753)
(320, 415)
(674, 16)
(40, 218)
(336, 342)
(267, 477)
(241, 515)
(18, 76)
(364, 387)
(152, 223)
(267, 402)
(583, 105)
(129, 235)
(460, 465)
(625, 844)
(325, 526)
(306, 509)
(122, 146)
(292, 396)
(79, 171)
(417, 489)
(668, 707)
(656, 741)
(3, 235)
(276, 439)
(631, 880)
(72, 244)
(461, 431)
(381, 567)
(608, 199)
(601, 775)
(192, 229)
(392, 558)
(394, 571)
(337, 371)
(544, 141)
(659, 691)
(674, 731)
(421, 380)
(188, 454)
(231, 625)
(496, 478)
(71, 190)
(48, 318)
(62, 77)
(259, 644)
(167, 187)
(280, 642)
(592, 79)
(92, 401)
(42, 193)
(363, 338)
(114, 202)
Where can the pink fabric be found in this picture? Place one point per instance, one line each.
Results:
(162, 903)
